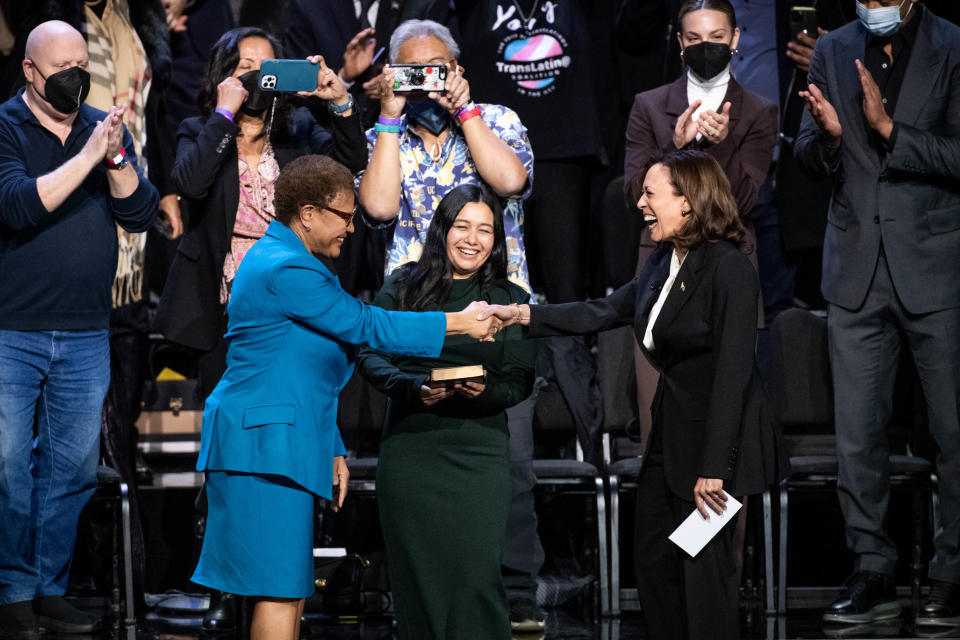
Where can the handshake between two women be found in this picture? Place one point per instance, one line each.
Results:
(482, 321)
(478, 320)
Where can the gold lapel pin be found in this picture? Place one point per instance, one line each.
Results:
(683, 287)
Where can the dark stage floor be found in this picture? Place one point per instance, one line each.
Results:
(803, 623)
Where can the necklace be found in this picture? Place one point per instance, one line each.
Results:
(526, 18)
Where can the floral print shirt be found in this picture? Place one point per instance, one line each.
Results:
(426, 181)
(254, 213)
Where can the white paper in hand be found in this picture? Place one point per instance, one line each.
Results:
(695, 532)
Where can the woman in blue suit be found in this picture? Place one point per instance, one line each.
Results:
(269, 443)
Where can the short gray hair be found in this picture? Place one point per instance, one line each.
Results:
(421, 29)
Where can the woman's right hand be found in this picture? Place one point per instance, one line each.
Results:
(231, 94)
(430, 396)
(391, 105)
(686, 129)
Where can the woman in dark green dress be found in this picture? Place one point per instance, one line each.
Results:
(443, 478)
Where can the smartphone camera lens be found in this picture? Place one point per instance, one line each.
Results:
(416, 78)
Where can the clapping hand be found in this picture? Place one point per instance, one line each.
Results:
(822, 111)
(686, 129)
(358, 55)
(873, 109)
(114, 123)
(176, 21)
(713, 126)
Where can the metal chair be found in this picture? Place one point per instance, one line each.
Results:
(800, 372)
(575, 475)
(112, 488)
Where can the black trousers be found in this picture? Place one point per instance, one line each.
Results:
(865, 346)
(681, 597)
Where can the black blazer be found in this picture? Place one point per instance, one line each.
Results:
(207, 177)
(710, 407)
(905, 196)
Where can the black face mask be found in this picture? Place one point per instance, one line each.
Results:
(707, 59)
(66, 90)
(258, 100)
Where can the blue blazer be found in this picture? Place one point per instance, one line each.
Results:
(290, 339)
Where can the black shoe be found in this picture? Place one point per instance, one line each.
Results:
(17, 620)
(942, 607)
(867, 596)
(222, 614)
(526, 616)
(54, 613)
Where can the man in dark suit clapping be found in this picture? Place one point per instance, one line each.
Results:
(883, 117)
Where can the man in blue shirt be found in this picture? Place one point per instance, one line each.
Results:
(68, 175)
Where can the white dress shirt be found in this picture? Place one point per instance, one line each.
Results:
(711, 92)
(675, 263)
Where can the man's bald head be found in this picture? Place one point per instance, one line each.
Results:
(55, 42)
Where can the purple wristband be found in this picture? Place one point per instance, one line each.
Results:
(392, 122)
(226, 113)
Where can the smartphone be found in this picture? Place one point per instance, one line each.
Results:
(803, 19)
(419, 77)
(288, 75)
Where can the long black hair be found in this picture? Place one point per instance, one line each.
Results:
(223, 61)
(425, 284)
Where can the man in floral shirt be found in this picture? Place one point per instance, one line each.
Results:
(425, 145)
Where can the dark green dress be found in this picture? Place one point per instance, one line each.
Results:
(443, 478)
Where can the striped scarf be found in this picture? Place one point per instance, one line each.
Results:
(120, 74)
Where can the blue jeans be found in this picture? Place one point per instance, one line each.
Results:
(54, 383)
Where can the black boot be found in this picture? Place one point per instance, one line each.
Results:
(17, 621)
(222, 614)
(54, 613)
(942, 607)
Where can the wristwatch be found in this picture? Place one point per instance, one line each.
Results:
(340, 109)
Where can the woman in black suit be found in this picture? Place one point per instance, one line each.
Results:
(227, 160)
(694, 311)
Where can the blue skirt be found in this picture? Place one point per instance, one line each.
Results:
(259, 536)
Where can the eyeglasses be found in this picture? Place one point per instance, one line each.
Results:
(346, 216)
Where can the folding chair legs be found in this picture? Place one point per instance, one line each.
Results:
(614, 484)
(129, 615)
(770, 607)
(602, 546)
(782, 563)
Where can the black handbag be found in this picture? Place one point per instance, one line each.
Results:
(339, 586)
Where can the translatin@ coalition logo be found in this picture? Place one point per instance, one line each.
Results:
(534, 60)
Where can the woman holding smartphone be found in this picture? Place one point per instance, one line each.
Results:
(443, 478)
(228, 160)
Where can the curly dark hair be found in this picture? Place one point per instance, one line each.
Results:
(425, 284)
(223, 61)
(310, 179)
(697, 176)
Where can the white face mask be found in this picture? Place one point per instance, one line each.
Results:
(882, 21)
